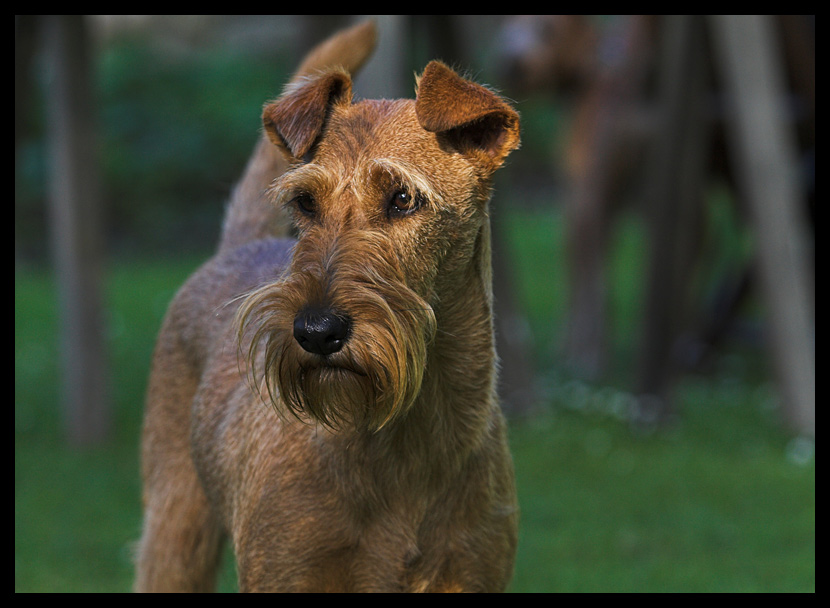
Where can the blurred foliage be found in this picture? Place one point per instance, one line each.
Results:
(175, 132)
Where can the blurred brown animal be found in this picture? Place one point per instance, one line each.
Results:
(601, 75)
(383, 464)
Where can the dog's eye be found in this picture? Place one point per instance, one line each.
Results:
(403, 203)
(305, 203)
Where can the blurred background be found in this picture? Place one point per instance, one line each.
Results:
(654, 266)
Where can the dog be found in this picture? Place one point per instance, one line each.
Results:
(329, 404)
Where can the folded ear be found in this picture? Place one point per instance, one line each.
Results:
(466, 116)
(295, 121)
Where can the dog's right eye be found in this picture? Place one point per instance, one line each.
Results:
(403, 203)
(305, 203)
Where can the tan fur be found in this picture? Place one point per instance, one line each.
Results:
(375, 459)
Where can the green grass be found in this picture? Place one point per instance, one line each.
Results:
(724, 501)
(697, 509)
(77, 511)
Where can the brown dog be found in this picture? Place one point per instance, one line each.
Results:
(383, 464)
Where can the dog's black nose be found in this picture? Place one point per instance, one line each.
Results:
(321, 332)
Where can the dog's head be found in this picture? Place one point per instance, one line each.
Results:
(389, 198)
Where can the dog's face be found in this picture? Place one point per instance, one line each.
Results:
(380, 181)
(389, 199)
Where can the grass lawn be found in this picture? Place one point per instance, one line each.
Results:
(725, 501)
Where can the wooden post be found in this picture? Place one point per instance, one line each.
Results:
(764, 152)
(75, 207)
(387, 74)
(676, 176)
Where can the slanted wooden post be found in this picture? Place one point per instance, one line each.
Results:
(764, 151)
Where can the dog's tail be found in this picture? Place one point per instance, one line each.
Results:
(250, 215)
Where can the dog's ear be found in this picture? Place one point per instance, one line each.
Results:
(466, 116)
(295, 121)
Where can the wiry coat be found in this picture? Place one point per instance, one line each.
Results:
(380, 463)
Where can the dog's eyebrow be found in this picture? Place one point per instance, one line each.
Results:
(308, 177)
(409, 177)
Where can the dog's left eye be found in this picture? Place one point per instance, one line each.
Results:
(403, 203)
(305, 203)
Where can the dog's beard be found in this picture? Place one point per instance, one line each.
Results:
(335, 396)
(378, 373)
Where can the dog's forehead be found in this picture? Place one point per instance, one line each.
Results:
(376, 127)
(370, 138)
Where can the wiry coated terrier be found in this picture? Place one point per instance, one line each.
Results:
(386, 466)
